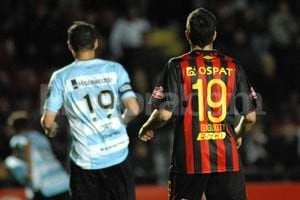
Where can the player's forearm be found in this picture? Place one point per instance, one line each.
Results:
(48, 123)
(131, 111)
(245, 127)
(128, 116)
(155, 121)
(245, 124)
(49, 128)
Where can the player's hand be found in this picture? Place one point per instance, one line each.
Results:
(52, 132)
(145, 135)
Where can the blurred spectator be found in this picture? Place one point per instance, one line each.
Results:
(158, 44)
(265, 78)
(283, 26)
(7, 51)
(144, 168)
(127, 36)
(242, 49)
(104, 19)
(283, 147)
(4, 135)
(25, 83)
(254, 152)
(255, 24)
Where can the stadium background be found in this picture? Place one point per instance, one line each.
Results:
(264, 35)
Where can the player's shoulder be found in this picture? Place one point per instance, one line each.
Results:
(231, 60)
(113, 66)
(177, 59)
(236, 63)
(18, 140)
(227, 58)
(63, 70)
(94, 65)
(111, 63)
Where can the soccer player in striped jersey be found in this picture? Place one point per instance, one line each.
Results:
(200, 91)
(99, 101)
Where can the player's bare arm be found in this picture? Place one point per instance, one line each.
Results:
(157, 119)
(246, 122)
(244, 125)
(132, 109)
(48, 123)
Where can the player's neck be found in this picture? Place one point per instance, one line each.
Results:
(208, 47)
(85, 55)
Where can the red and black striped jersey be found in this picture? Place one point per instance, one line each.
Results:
(204, 90)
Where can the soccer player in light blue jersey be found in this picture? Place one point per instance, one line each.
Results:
(33, 163)
(99, 101)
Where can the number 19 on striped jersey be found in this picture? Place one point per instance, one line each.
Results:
(219, 103)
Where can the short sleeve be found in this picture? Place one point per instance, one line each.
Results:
(124, 87)
(246, 98)
(18, 141)
(54, 98)
(165, 92)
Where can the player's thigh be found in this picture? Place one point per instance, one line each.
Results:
(128, 178)
(84, 184)
(119, 181)
(226, 186)
(187, 187)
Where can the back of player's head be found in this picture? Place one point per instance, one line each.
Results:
(18, 120)
(201, 25)
(82, 36)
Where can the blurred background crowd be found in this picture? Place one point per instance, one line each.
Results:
(264, 35)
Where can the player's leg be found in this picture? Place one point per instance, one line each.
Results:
(236, 186)
(84, 184)
(226, 186)
(128, 178)
(119, 181)
(187, 187)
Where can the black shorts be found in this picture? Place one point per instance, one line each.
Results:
(112, 183)
(216, 186)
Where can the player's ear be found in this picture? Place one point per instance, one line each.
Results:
(96, 44)
(70, 46)
(215, 36)
(187, 35)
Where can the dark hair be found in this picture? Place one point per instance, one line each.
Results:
(201, 24)
(20, 124)
(18, 120)
(82, 36)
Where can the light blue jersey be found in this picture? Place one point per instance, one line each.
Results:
(91, 92)
(48, 175)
